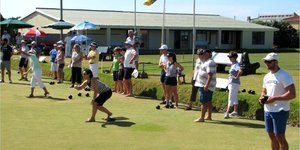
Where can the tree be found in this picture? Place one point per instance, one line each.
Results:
(286, 36)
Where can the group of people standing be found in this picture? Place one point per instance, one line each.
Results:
(278, 89)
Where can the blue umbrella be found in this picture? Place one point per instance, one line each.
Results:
(85, 25)
(80, 38)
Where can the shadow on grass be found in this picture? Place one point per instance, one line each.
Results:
(237, 124)
(48, 97)
(18, 83)
(120, 122)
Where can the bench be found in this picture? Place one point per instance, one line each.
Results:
(104, 53)
(222, 61)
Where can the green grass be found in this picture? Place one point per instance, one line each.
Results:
(58, 123)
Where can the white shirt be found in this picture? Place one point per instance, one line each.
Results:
(24, 49)
(207, 67)
(6, 36)
(197, 68)
(163, 59)
(128, 55)
(275, 84)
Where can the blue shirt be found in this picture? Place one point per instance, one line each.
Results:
(233, 71)
(53, 54)
(6, 53)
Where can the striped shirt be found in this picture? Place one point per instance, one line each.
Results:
(206, 67)
(101, 86)
(171, 70)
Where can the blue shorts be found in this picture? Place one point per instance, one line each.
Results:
(275, 122)
(205, 96)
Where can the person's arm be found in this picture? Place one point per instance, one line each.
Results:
(95, 89)
(132, 58)
(90, 56)
(240, 72)
(25, 73)
(179, 66)
(209, 77)
(80, 87)
(288, 95)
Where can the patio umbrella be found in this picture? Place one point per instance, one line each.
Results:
(14, 23)
(35, 33)
(85, 25)
(61, 24)
(80, 38)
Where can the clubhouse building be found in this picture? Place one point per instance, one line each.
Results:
(212, 31)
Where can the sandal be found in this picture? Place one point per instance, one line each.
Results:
(199, 120)
(90, 120)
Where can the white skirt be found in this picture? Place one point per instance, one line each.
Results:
(233, 93)
(95, 70)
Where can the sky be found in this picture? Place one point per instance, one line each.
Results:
(238, 9)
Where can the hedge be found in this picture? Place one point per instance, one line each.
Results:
(248, 104)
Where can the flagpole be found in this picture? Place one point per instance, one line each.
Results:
(134, 15)
(163, 25)
(61, 18)
(194, 34)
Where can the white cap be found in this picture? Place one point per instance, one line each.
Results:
(129, 42)
(164, 47)
(60, 42)
(271, 56)
(33, 42)
(23, 41)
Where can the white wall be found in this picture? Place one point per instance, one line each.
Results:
(247, 40)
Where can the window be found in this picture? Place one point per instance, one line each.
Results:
(258, 38)
(227, 37)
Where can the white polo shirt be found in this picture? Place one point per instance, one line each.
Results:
(128, 55)
(275, 84)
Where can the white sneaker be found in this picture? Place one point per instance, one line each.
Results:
(226, 115)
(233, 114)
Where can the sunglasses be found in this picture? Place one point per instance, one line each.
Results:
(268, 61)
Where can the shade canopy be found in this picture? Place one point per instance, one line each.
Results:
(61, 24)
(14, 23)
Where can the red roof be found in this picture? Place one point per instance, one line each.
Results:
(292, 19)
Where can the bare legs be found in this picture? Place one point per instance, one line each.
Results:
(95, 107)
(170, 91)
(278, 141)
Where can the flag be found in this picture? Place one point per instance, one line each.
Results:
(149, 2)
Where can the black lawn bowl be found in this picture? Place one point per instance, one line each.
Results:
(87, 95)
(79, 94)
(263, 99)
(157, 107)
(87, 89)
(253, 92)
(244, 90)
(52, 83)
(70, 97)
(6, 73)
(18, 72)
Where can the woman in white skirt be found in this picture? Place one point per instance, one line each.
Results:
(93, 58)
(233, 85)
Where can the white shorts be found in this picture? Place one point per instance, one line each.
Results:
(95, 70)
(37, 78)
(54, 67)
(233, 94)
